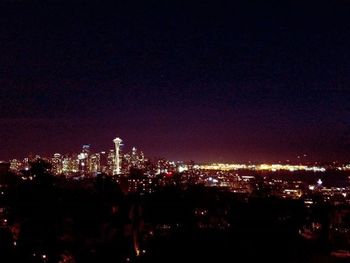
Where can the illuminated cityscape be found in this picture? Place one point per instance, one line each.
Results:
(306, 188)
(174, 131)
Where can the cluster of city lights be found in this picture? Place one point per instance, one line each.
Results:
(260, 167)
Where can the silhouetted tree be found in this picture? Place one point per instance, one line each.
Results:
(135, 173)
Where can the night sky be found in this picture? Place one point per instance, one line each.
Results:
(207, 81)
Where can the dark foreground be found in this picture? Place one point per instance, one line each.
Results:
(51, 219)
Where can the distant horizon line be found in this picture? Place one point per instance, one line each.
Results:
(231, 162)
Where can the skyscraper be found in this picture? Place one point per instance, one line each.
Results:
(57, 163)
(83, 158)
(117, 141)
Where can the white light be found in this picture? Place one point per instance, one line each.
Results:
(181, 169)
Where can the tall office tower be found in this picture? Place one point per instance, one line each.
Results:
(83, 158)
(117, 142)
(110, 162)
(103, 162)
(94, 163)
(57, 163)
(141, 160)
(134, 159)
(65, 165)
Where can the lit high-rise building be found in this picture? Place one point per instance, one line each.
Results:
(94, 163)
(83, 158)
(57, 163)
(117, 142)
(103, 162)
(70, 164)
(110, 162)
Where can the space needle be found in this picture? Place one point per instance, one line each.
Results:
(117, 141)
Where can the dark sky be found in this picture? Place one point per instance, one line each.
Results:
(202, 80)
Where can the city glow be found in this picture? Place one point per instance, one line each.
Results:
(260, 167)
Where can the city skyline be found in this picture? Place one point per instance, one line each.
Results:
(174, 131)
(78, 149)
(224, 81)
